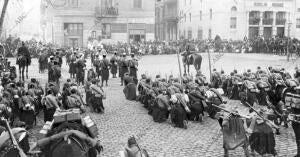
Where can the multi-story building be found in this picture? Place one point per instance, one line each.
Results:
(236, 19)
(73, 23)
(127, 20)
(166, 14)
(68, 23)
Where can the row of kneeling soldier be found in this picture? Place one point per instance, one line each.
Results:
(259, 103)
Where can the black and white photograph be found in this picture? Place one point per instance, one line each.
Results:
(149, 78)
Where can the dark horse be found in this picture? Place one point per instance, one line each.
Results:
(23, 63)
(192, 59)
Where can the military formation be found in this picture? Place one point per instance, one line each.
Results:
(67, 131)
(271, 99)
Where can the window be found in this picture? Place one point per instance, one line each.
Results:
(190, 17)
(94, 34)
(74, 29)
(184, 17)
(298, 23)
(210, 14)
(119, 28)
(137, 4)
(149, 28)
(233, 22)
(190, 2)
(73, 3)
(233, 18)
(200, 15)
(298, 9)
(106, 30)
(233, 9)
(189, 34)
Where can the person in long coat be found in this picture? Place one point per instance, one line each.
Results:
(130, 88)
(123, 67)
(104, 66)
(114, 65)
(133, 64)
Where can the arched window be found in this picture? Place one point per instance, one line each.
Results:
(233, 18)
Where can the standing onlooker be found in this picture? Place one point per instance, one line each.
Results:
(104, 66)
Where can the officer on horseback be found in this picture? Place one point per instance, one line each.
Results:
(23, 51)
(23, 60)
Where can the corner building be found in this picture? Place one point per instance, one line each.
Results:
(74, 23)
(236, 19)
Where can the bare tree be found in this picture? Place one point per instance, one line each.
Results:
(4, 8)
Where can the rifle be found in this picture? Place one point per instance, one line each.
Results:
(270, 123)
(13, 139)
(230, 112)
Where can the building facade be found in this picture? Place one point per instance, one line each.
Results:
(236, 19)
(166, 14)
(75, 23)
(68, 23)
(127, 21)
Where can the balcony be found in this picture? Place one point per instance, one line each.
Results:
(170, 1)
(280, 21)
(107, 12)
(254, 21)
(170, 17)
(268, 21)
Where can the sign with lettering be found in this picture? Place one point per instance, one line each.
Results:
(260, 4)
(277, 4)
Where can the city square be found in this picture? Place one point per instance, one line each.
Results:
(149, 78)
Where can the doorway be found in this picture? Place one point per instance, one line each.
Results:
(280, 31)
(253, 32)
(74, 42)
(267, 32)
(137, 35)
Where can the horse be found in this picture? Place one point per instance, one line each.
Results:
(193, 59)
(23, 63)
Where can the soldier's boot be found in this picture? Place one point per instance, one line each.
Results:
(298, 147)
(245, 147)
(226, 153)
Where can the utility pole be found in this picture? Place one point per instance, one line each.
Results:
(179, 65)
(209, 62)
(288, 44)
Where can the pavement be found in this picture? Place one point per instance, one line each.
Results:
(123, 118)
